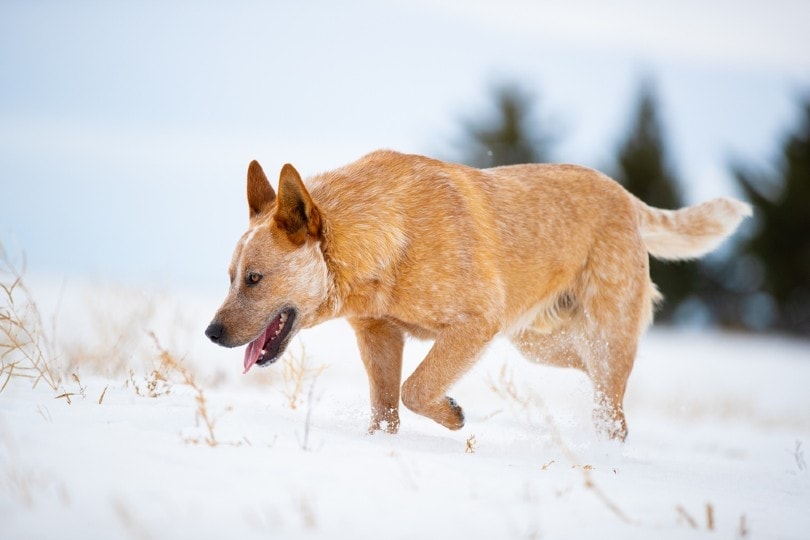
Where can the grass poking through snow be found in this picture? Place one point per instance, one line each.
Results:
(171, 362)
(26, 350)
(296, 371)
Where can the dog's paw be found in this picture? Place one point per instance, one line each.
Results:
(444, 411)
(386, 426)
(453, 417)
(388, 422)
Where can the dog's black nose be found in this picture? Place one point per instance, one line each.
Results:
(214, 331)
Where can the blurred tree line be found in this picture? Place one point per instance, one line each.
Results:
(760, 280)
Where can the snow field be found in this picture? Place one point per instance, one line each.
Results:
(719, 428)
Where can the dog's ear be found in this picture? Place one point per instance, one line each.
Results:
(296, 212)
(260, 194)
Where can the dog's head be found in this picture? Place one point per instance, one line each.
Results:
(278, 274)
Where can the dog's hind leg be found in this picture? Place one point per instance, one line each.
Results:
(574, 347)
(381, 345)
(453, 353)
(616, 308)
(609, 361)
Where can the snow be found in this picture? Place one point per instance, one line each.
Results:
(719, 424)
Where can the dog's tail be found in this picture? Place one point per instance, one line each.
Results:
(690, 232)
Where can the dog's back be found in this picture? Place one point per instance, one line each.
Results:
(428, 242)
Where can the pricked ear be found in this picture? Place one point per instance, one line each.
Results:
(296, 212)
(260, 194)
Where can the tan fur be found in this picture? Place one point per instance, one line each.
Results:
(555, 257)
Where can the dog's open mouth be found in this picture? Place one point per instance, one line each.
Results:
(270, 344)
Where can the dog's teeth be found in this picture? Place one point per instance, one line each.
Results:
(264, 351)
(283, 318)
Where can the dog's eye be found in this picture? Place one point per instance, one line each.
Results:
(253, 278)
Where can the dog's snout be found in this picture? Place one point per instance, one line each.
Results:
(214, 331)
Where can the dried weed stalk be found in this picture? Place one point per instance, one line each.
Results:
(295, 373)
(103, 393)
(692, 522)
(155, 384)
(26, 350)
(311, 402)
(81, 391)
(169, 361)
(471, 445)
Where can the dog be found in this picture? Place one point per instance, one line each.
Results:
(554, 257)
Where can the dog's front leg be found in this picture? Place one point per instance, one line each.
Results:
(381, 345)
(453, 353)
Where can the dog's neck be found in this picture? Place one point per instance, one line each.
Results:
(359, 286)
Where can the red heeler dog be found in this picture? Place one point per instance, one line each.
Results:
(554, 257)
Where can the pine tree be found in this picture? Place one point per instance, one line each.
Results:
(644, 169)
(511, 136)
(775, 259)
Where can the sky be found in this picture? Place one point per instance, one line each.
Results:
(126, 127)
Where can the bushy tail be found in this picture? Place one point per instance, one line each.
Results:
(690, 232)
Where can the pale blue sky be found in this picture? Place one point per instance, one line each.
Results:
(126, 127)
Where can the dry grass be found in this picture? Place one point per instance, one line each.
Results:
(690, 520)
(296, 372)
(171, 362)
(686, 516)
(26, 348)
(471, 445)
(155, 383)
(103, 393)
(311, 402)
(81, 390)
(27, 351)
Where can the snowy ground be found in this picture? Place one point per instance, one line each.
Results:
(718, 446)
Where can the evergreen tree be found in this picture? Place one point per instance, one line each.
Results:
(776, 257)
(644, 169)
(512, 135)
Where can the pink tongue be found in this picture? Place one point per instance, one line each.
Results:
(254, 350)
